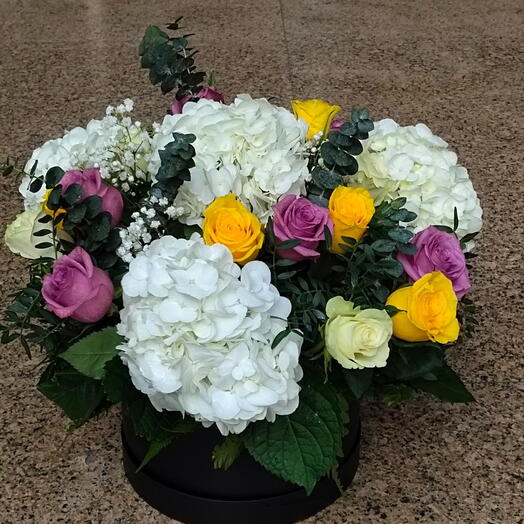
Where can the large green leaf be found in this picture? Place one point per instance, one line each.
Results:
(79, 396)
(407, 361)
(301, 447)
(90, 355)
(117, 382)
(445, 384)
(359, 380)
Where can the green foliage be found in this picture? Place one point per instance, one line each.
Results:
(359, 381)
(77, 395)
(170, 61)
(368, 271)
(337, 155)
(154, 448)
(90, 355)
(52, 177)
(467, 317)
(444, 384)
(225, 453)
(301, 447)
(407, 361)
(176, 159)
(395, 394)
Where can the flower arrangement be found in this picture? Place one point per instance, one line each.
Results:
(242, 266)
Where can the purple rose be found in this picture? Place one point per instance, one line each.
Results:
(437, 251)
(77, 289)
(208, 92)
(298, 218)
(91, 183)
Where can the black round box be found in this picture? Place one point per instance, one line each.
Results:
(182, 483)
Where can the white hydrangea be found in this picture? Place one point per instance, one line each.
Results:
(198, 333)
(250, 147)
(414, 163)
(116, 145)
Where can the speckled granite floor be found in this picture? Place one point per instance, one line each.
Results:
(456, 65)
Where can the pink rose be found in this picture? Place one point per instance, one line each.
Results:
(91, 183)
(298, 218)
(77, 289)
(208, 92)
(437, 251)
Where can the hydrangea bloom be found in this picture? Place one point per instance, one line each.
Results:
(414, 163)
(118, 147)
(199, 331)
(250, 147)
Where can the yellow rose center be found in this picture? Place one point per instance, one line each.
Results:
(228, 222)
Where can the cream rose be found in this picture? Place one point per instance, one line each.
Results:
(20, 235)
(357, 338)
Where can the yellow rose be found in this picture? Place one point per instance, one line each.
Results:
(428, 310)
(317, 114)
(228, 222)
(19, 236)
(54, 214)
(350, 209)
(357, 338)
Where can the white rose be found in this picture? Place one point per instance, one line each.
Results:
(20, 238)
(357, 338)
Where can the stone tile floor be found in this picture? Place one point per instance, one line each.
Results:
(455, 65)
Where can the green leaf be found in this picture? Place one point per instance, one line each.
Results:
(72, 194)
(407, 249)
(301, 447)
(444, 384)
(90, 355)
(151, 424)
(326, 179)
(43, 245)
(36, 185)
(394, 394)
(400, 234)
(53, 176)
(117, 382)
(75, 216)
(279, 337)
(225, 453)
(288, 244)
(455, 219)
(155, 447)
(99, 229)
(447, 229)
(77, 395)
(42, 233)
(359, 380)
(398, 203)
(53, 201)
(45, 219)
(93, 204)
(467, 238)
(389, 266)
(383, 245)
(413, 360)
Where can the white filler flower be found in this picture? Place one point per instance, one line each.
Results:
(414, 163)
(250, 147)
(116, 145)
(199, 332)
